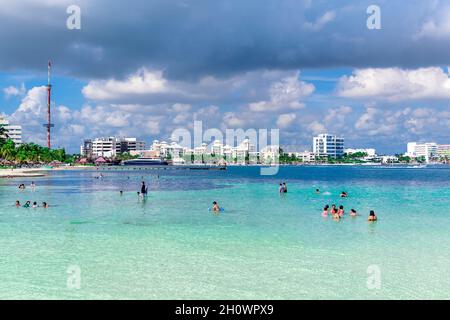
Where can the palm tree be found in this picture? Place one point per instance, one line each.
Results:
(3, 134)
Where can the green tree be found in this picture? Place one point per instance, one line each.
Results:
(3, 134)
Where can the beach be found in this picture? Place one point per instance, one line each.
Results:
(263, 246)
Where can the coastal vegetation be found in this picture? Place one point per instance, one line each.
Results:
(29, 153)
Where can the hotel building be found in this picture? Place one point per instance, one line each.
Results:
(328, 145)
(427, 150)
(443, 150)
(110, 146)
(14, 132)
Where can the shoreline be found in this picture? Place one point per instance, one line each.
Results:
(22, 173)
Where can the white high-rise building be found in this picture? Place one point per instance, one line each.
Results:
(14, 131)
(328, 145)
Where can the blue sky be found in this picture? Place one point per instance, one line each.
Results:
(303, 66)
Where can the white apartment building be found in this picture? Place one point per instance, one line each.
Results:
(443, 150)
(14, 131)
(427, 150)
(110, 146)
(306, 156)
(243, 150)
(328, 145)
(219, 149)
(164, 149)
(104, 147)
(270, 154)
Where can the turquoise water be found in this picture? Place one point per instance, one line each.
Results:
(264, 246)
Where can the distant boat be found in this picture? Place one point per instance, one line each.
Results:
(145, 162)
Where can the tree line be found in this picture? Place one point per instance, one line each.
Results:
(29, 152)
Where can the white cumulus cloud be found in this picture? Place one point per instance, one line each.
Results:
(396, 84)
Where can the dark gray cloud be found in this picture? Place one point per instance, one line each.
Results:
(188, 39)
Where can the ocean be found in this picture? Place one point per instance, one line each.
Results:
(93, 243)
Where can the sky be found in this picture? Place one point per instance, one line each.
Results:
(147, 67)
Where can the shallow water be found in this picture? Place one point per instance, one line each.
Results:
(264, 246)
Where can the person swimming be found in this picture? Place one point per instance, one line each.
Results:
(344, 194)
(121, 192)
(27, 204)
(372, 216)
(34, 204)
(341, 211)
(353, 213)
(317, 191)
(325, 211)
(45, 205)
(18, 205)
(22, 186)
(215, 207)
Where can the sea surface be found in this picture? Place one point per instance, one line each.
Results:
(93, 243)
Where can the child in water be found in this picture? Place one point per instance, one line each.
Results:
(353, 213)
(372, 216)
(325, 211)
(27, 204)
(341, 211)
(18, 204)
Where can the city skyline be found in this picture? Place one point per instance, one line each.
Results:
(306, 68)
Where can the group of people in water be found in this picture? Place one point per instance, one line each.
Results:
(23, 187)
(28, 204)
(339, 213)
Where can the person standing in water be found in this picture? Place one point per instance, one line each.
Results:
(341, 211)
(325, 211)
(143, 189)
(284, 187)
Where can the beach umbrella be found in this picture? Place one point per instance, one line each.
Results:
(100, 160)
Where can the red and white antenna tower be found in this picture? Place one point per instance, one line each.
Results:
(49, 124)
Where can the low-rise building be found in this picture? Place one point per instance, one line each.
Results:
(370, 151)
